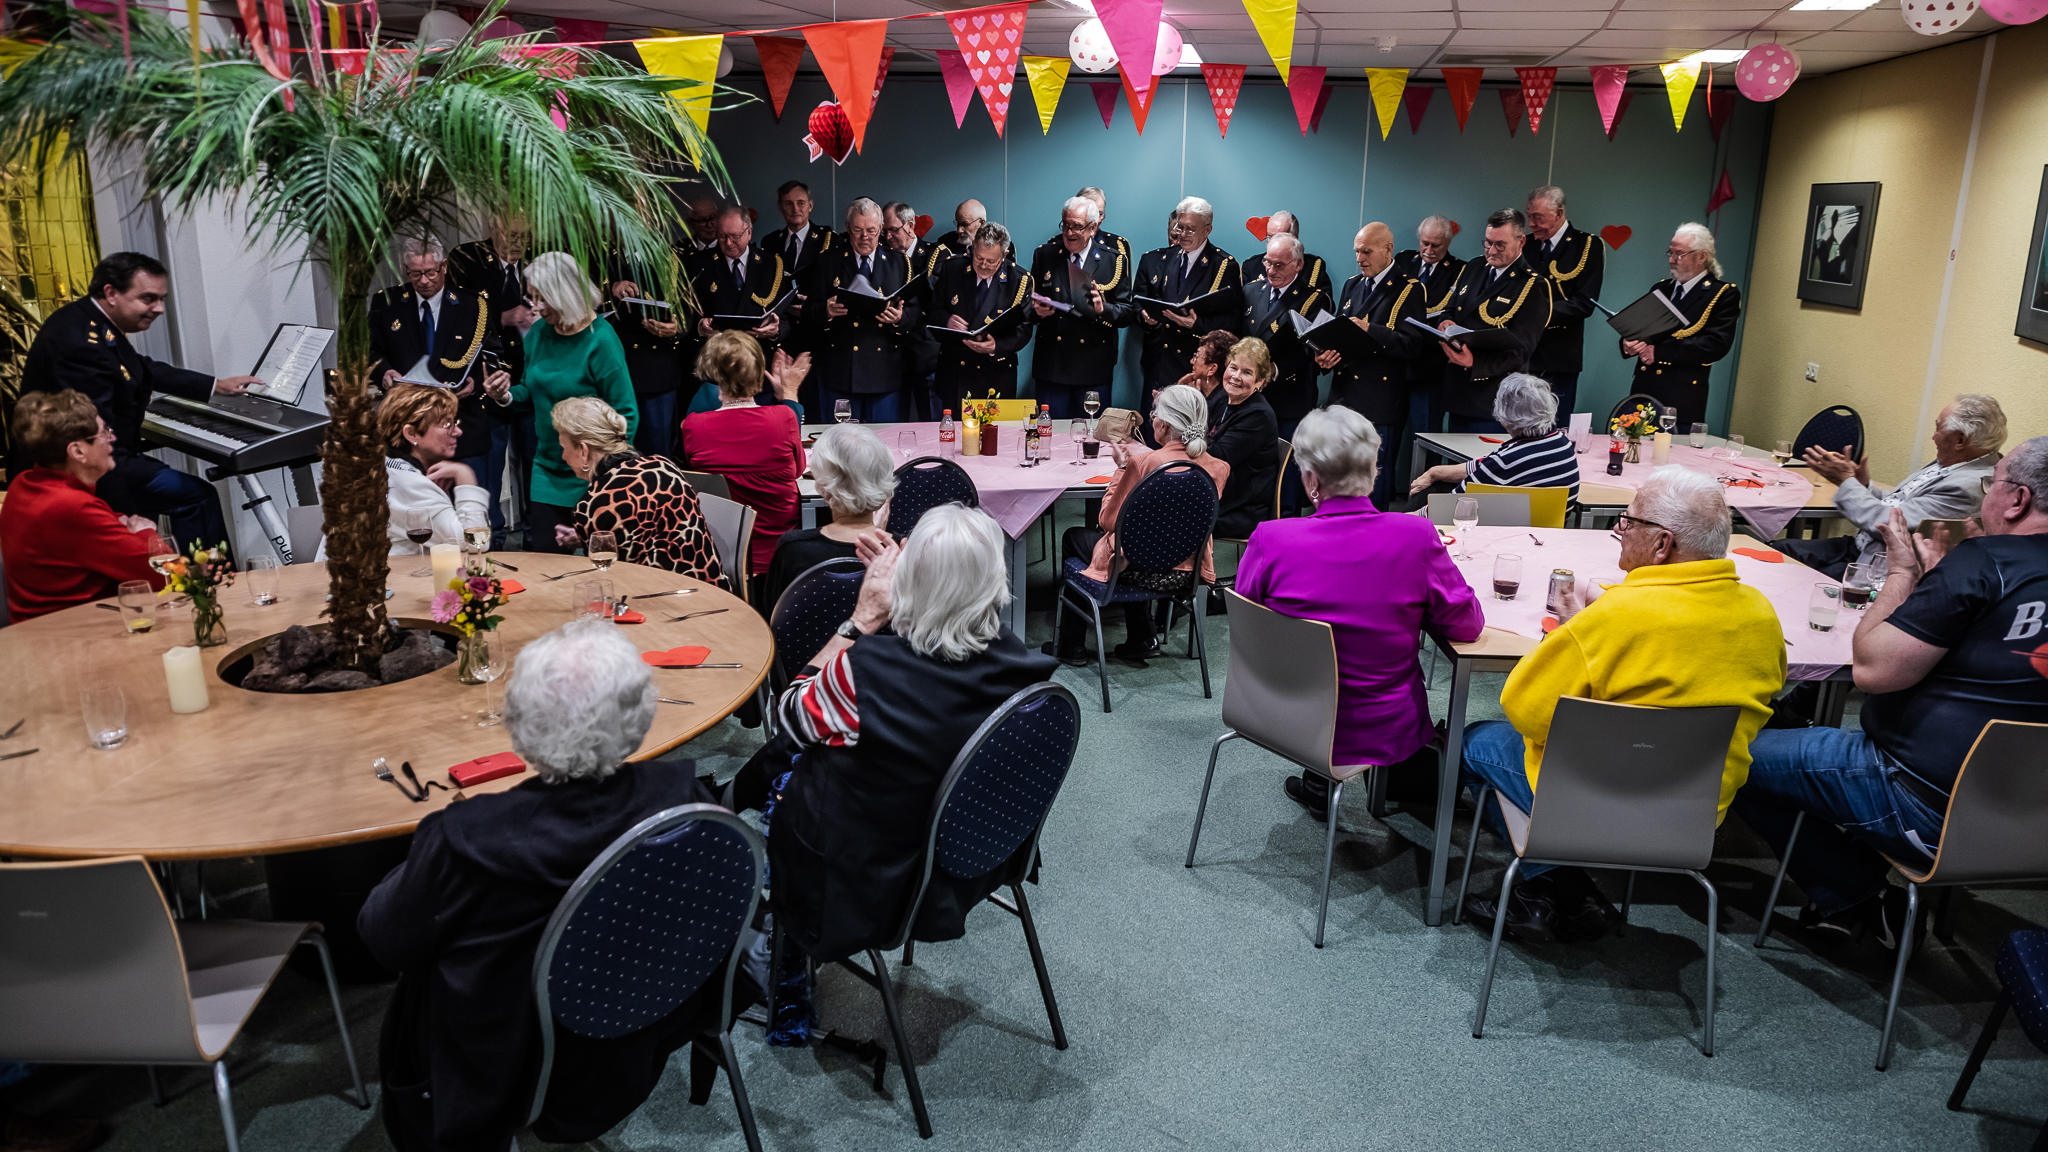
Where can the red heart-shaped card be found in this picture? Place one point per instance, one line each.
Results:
(924, 225)
(1257, 226)
(1616, 234)
(687, 656)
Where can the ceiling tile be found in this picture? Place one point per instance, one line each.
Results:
(1535, 40)
(1470, 6)
(1368, 23)
(1789, 20)
(1581, 22)
(1644, 38)
(1904, 40)
(1737, 21)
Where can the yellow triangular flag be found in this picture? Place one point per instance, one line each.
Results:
(1275, 21)
(690, 58)
(1387, 84)
(1048, 76)
(1679, 79)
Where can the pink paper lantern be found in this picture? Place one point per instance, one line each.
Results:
(2016, 11)
(1766, 71)
(1936, 17)
(1089, 47)
(1168, 56)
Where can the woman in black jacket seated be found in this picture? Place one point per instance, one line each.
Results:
(1245, 434)
(880, 712)
(462, 917)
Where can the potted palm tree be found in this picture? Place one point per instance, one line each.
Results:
(345, 152)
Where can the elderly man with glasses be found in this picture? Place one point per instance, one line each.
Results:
(1676, 367)
(1680, 632)
(1500, 292)
(1081, 290)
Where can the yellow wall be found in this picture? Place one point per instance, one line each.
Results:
(1905, 123)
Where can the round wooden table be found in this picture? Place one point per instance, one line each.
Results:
(260, 773)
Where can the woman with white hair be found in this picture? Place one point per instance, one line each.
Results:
(1180, 423)
(644, 501)
(461, 918)
(569, 355)
(880, 712)
(856, 476)
(1377, 579)
(1538, 454)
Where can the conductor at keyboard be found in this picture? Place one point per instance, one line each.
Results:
(84, 345)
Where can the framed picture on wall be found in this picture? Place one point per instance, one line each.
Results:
(2033, 321)
(1840, 220)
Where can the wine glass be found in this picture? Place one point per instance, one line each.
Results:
(1734, 446)
(1782, 452)
(1079, 431)
(488, 666)
(842, 410)
(1465, 517)
(1667, 418)
(1091, 403)
(164, 549)
(603, 549)
(419, 528)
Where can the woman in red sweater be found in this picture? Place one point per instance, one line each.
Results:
(61, 544)
(759, 450)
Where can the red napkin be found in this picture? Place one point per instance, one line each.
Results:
(511, 586)
(630, 617)
(1768, 557)
(687, 656)
(1098, 480)
(486, 768)
(1494, 439)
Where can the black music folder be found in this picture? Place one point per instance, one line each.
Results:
(722, 321)
(1188, 305)
(1651, 318)
(861, 299)
(1338, 334)
(1477, 339)
(1003, 323)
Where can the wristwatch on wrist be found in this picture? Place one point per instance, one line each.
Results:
(848, 630)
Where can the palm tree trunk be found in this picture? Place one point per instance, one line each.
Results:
(353, 488)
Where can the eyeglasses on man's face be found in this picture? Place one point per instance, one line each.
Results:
(1626, 523)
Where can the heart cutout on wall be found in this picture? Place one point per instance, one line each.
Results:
(924, 225)
(1616, 235)
(1257, 226)
(753, 215)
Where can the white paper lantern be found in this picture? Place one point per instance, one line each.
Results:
(1766, 71)
(724, 60)
(1936, 17)
(441, 28)
(1090, 49)
(1168, 56)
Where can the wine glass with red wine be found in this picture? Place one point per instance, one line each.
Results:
(419, 530)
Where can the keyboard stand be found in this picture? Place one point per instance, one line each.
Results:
(265, 509)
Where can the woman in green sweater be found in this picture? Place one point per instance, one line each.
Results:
(569, 355)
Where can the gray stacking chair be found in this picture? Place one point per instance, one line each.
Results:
(1496, 509)
(1281, 695)
(709, 484)
(731, 525)
(93, 970)
(1623, 786)
(1992, 835)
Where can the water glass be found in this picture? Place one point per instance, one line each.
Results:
(1079, 431)
(1465, 517)
(1507, 576)
(262, 580)
(593, 598)
(138, 605)
(106, 715)
(842, 410)
(1699, 436)
(1823, 607)
(1734, 446)
(1860, 581)
(906, 443)
(489, 666)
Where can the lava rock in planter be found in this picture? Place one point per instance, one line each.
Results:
(298, 648)
(267, 677)
(418, 655)
(339, 680)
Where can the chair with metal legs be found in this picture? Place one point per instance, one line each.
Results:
(1281, 695)
(1623, 786)
(93, 970)
(2023, 976)
(1990, 835)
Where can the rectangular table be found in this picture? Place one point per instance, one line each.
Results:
(1512, 632)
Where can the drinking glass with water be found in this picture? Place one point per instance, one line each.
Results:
(1823, 607)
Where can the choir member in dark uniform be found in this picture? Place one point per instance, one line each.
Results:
(1288, 222)
(1501, 291)
(1574, 262)
(84, 346)
(491, 267)
(799, 242)
(1375, 385)
(1191, 268)
(703, 222)
(737, 280)
(968, 293)
(920, 348)
(967, 218)
(859, 357)
(656, 347)
(1675, 368)
(1077, 344)
(1431, 263)
(1284, 288)
(1103, 235)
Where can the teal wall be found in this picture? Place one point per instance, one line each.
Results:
(1648, 177)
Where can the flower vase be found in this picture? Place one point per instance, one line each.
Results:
(1635, 450)
(473, 658)
(209, 623)
(988, 439)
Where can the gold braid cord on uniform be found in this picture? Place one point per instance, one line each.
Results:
(1585, 254)
(1527, 284)
(1682, 333)
(1116, 274)
(1222, 266)
(1023, 288)
(476, 340)
(1401, 299)
(1444, 303)
(774, 288)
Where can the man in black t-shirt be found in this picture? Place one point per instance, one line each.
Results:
(1956, 638)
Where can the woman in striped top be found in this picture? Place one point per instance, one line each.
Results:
(1537, 455)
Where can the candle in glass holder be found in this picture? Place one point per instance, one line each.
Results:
(1662, 451)
(187, 680)
(447, 559)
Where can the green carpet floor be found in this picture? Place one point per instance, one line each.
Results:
(1200, 1015)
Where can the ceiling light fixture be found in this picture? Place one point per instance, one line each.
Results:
(1833, 5)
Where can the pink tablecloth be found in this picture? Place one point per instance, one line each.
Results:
(1596, 555)
(1784, 493)
(1014, 495)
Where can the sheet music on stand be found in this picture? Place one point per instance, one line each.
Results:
(288, 361)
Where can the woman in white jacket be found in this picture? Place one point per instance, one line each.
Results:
(425, 487)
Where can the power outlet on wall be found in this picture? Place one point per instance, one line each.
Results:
(1813, 372)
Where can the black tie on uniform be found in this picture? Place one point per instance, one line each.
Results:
(427, 323)
(984, 299)
(867, 269)
(795, 247)
(1175, 284)
(739, 277)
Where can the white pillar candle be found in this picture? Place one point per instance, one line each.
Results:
(1662, 454)
(447, 559)
(187, 680)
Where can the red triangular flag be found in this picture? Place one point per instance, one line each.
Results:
(1536, 86)
(1417, 100)
(1315, 119)
(1305, 86)
(1723, 193)
(779, 58)
(882, 73)
(1512, 104)
(580, 31)
(1464, 86)
(1141, 102)
(1105, 100)
(1620, 109)
(849, 53)
(1132, 28)
(991, 40)
(1720, 106)
(959, 85)
(1224, 81)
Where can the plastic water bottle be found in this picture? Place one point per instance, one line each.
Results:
(947, 435)
(1045, 432)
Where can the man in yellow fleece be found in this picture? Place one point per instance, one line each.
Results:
(1680, 632)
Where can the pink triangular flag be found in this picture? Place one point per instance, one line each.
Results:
(1315, 118)
(1720, 106)
(959, 85)
(990, 40)
(1133, 30)
(1417, 100)
(1305, 87)
(1512, 105)
(1105, 99)
(1620, 110)
(1608, 82)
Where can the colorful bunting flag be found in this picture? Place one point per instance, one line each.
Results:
(1723, 193)
(1417, 100)
(1224, 82)
(779, 58)
(1141, 102)
(1609, 80)
(959, 85)
(1720, 106)
(1386, 85)
(688, 58)
(991, 39)
(1105, 99)
(1512, 105)
(580, 31)
(1536, 86)
(1620, 110)
(1315, 118)
(1464, 86)
(1274, 20)
(1679, 79)
(882, 73)
(1305, 87)
(1048, 77)
(1133, 30)
(849, 53)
